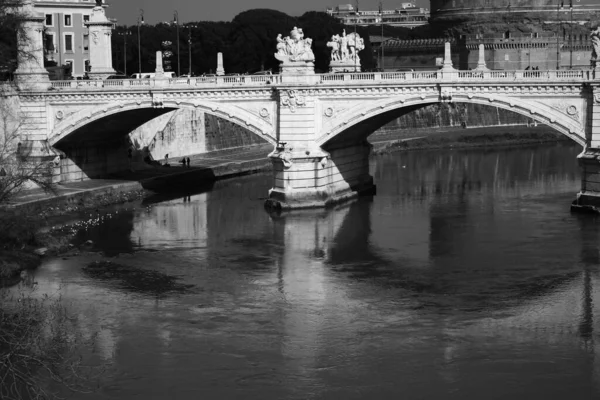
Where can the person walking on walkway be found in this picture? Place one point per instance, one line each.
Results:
(130, 158)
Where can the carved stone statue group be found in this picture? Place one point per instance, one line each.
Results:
(595, 37)
(295, 47)
(345, 48)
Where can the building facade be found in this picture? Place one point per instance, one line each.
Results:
(549, 10)
(66, 39)
(408, 15)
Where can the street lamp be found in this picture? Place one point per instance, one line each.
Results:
(140, 21)
(190, 48)
(560, 7)
(125, 34)
(176, 21)
(381, 45)
(571, 35)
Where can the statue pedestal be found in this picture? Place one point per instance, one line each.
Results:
(100, 45)
(297, 68)
(344, 66)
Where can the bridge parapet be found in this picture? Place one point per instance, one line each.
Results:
(369, 78)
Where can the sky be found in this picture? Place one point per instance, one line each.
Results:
(127, 11)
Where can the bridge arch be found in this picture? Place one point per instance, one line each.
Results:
(150, 109)
(384, 111)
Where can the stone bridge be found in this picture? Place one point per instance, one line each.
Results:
(317, 123)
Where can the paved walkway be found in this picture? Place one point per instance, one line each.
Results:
(132, 180)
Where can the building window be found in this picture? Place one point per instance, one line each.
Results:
(69, 42)
(86, 66)
(507, 35)
(69, 63)
(49, 43)
(86, 18)
(49, 20)
(86, 42)
(68, 20)
(506, 57)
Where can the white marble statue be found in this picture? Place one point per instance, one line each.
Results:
(595, 36)
(345, 48)
(294, 48)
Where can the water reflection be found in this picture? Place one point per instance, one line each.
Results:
(465, 277)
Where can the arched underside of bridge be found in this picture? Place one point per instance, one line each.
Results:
(357, 123)
(96, 139)
(344, 171)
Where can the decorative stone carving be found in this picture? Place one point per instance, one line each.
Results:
(295, 53)
(292, 99)
(264, 113)
(573, 112)
(569, 109)
(597, 98)
(284, 154)
(344, 52)
(328, 112)
(446, 95)
(60, 115)
(595, 37)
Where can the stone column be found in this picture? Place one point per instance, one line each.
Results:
(589, 159)
(447, 58)
(220, 69)
(159, 72)
(481, 62)
(31, 74)
(100, 29)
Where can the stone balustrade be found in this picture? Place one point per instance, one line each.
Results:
(335, 79)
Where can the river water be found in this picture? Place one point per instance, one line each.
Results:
(465, 277)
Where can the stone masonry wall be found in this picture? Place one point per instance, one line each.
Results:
(222, 134)
(186, 132)
(453, 114)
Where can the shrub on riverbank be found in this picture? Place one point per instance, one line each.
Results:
(39, 345)
(19, 238)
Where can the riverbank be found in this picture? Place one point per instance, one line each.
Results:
(24, 241)
(456, 138)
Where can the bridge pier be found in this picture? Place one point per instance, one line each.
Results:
(589, 159)
(312, 179)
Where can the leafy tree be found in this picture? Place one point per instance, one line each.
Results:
(253, 39)
(248, 43)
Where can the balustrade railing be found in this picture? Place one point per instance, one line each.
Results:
(359, 78)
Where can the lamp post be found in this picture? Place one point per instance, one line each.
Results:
(140, 21)
(571, 36)
(190, 50)
(125, 34)
(558, 8)
(176, 21)
(381, 17)
(356, 23)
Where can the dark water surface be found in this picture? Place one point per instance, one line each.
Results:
(465, 277)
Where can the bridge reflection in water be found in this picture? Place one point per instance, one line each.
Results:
(464, 275)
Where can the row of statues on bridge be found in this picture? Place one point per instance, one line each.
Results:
(297, 48)
(345, 47)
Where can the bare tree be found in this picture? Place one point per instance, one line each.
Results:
(40, 347)
(18, 170)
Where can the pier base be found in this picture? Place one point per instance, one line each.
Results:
(314, 179)
(588, 199)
